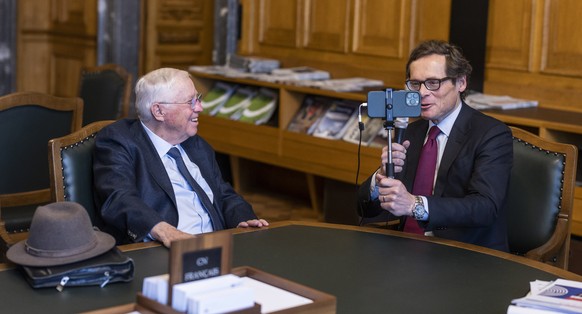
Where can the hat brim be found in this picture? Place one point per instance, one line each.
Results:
(18, 255)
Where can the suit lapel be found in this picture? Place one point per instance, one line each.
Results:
(456, 141)
(154, 164)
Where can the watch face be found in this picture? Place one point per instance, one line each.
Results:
(418, 211)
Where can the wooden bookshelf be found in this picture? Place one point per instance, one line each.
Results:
(337, 159)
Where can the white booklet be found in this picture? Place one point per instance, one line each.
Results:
(560, 296)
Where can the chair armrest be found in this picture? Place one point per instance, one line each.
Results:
(549, 250)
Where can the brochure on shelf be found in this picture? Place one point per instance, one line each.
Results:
(217, 97)
(311, 111)
(371, 129)
(261, 108)
(238, 102)
(336, 120)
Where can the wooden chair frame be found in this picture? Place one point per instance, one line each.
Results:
(75, 105)
(556, 250)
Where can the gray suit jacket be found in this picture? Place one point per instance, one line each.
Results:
(134, 191)
(468, 203)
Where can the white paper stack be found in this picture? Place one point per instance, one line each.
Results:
(156, 288)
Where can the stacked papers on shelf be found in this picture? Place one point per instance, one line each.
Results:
(351, 84)
(300, 73)
(238, 102)
(484, 101)
(560, 296)
(217, 97)
(261, 108)
(253, 64)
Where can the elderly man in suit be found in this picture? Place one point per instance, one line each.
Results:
(462, 196)
(155, 178)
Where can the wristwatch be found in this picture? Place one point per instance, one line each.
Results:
(418, 210)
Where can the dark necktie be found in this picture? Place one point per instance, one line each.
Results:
(202, 196)
(424, 180)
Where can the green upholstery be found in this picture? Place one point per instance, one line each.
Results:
(71, 159)
(77, 162)
(105, 91)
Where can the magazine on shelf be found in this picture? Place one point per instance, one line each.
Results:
(484, 101)
(336, 120)
(307, 117)
(238, 102)
(261, 108)
(349, 84)
(253, 64)
(217, 97)
(371, 129)
(300, 73)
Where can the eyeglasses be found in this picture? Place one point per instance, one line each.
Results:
(193, 102)
(430, 84)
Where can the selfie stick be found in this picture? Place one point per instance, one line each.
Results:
(389, 126)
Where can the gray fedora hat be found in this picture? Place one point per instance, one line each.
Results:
(60, 233)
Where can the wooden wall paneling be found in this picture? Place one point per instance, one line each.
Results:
(32, 60)
(430, 20)
(66, 64)
(327, 25)
(279, 23)
(510, 33)
(74, 17)
(55, 38)
(379, 28)
(179, 33)
(562, 47)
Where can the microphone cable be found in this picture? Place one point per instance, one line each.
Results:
(361, 127)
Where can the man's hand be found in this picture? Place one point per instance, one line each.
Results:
(398, 156)
(393, 196)
(166, 233)
(257, 223)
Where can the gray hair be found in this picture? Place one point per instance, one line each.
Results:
(155, 86)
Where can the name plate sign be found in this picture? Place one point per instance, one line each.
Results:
(204, 256)
(202, 264)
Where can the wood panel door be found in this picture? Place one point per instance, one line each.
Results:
(178, 33)
(55, 39)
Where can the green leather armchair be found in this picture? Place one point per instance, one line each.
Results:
(71, 167)
(106, 91)
(540, 198)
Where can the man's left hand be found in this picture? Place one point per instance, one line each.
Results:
(257, 223)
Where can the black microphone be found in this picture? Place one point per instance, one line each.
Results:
(400, 125)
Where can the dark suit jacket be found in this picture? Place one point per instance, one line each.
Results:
(472, 181)
(134, 191)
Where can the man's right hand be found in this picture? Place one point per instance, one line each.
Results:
(398, 156)
(166, 233)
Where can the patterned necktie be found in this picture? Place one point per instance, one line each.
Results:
(202, 196)
(424, 180)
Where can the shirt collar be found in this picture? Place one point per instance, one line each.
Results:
(447, 124)
(162, 147)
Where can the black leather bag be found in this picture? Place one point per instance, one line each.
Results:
(101, 270)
